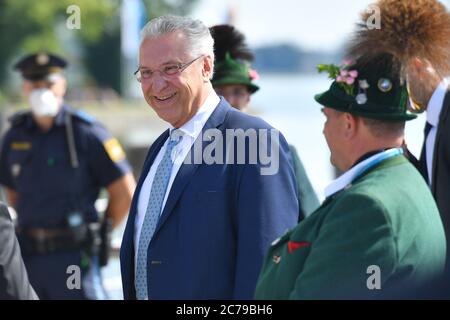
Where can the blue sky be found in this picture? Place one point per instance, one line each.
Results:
(311, 24)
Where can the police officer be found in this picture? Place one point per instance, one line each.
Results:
(53, 162)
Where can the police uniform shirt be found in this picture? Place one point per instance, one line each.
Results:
(37, 166)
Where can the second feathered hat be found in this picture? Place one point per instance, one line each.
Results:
(233, 58)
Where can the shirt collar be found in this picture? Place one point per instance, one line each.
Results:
(29, 122)
(195, 125)
(59, 118)
(435, 104)
(347, 178)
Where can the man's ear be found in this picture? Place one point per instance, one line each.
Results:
(208, 67)
(247, 99)
(422, 69)
(350, 125)
(26, 88)
(418, 65)
(59, 88)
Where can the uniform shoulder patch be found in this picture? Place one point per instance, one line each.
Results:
(18, 117)
(114, 150)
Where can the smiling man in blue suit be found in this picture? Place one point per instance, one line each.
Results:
(216, 188)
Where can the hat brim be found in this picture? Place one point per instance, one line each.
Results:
(329, 100)
(233, 81)
(49, 77)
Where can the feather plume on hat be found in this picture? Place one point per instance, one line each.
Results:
(228, 39)
(409, 29)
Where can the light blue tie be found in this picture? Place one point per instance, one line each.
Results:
(155, 201)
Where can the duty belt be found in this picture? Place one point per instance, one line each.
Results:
(45, 241)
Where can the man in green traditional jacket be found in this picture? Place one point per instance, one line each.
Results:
(378, 233)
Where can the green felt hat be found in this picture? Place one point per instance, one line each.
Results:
(229, 72)
(371, 89)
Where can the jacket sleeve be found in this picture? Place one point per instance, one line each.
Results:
(267, 206)
(14, 282)
(6, 178)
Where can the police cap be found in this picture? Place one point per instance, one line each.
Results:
(40, 66)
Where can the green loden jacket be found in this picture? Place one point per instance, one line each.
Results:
(307, 198)
(379, 237)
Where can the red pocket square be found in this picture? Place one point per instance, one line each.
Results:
(297, 245)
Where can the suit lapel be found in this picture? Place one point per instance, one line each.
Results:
(439, 133)
(153, 152)
(187, 170)
(127, 248)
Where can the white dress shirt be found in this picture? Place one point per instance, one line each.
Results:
(190, 130)
(433, 112)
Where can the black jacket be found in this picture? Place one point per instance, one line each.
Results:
(14, 282)
(440, 186)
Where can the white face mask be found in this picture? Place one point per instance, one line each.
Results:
(43, 103)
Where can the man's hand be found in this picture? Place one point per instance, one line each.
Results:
(11, 197)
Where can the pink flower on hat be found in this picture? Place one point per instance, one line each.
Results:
(347, 76)
(342, 74)
(253, 74)
(353, 73)
(350, 80)
(348, 62)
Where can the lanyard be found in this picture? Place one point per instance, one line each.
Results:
(381, 157)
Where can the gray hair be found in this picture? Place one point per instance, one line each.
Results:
(198, 38)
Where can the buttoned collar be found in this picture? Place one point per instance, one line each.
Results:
(435, 104)
(29, 122)
(60, 116)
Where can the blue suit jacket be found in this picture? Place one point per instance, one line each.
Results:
(217, 224)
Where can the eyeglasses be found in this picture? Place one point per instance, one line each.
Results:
(169, 70)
